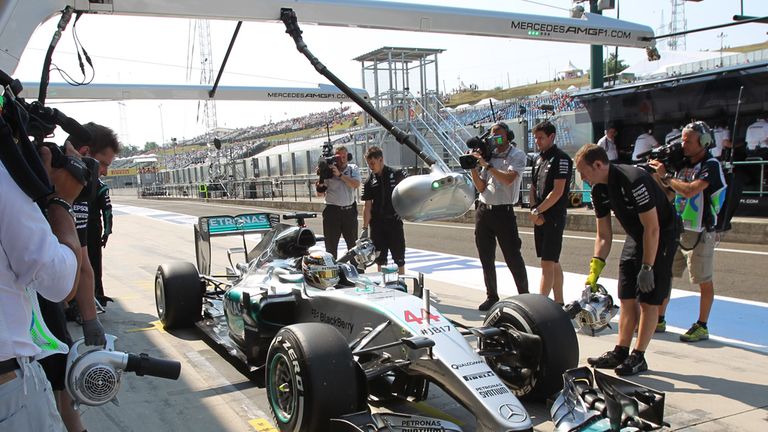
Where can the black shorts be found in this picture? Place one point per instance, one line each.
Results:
(629, 266)
(388, 236)
(55, 366)
(549, 237)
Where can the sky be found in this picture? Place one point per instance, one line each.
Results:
(145, 50)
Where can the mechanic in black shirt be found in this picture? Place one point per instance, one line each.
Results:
(103, 147)
(551, 183)
(645, 266)
(386, 227)
(98, 233)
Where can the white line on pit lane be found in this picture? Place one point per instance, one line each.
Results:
(459, 226)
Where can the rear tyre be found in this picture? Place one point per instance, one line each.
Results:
(538, 315)
(311, 378)
(178, 295)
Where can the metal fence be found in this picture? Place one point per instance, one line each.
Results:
(302, 188)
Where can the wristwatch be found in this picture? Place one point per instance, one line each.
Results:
(61, 203)
(646, 267)
(535, 211)
(668, 176)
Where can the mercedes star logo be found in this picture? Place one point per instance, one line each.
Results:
(512, 413)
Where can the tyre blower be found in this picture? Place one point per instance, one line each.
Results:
(94, 373)
(593, 312)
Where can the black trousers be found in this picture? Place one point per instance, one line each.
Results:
(499, 224)
(339, 221)
(94, 256)
(388, 236)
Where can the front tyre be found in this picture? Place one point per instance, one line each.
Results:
(533, 371)
(178, 295)
(311, 378)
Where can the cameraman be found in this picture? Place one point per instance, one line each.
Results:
(645, 266)
(700, 191)
(340, 213)
(498, 182)
(550, 184)
(386, 226)
(40, 256)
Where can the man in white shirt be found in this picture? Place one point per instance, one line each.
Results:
(39, 257)
(643, 144)
(722, 136)
(674, 133)
(498, 182)
(608, 142)
(757, 135)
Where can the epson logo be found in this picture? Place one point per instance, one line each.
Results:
(477, 376)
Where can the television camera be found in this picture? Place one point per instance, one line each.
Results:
(484, 145)
(327, 161)
(670, 154)
(31, 119)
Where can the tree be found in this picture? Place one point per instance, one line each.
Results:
(129, 150)
(151, 146)
(611, 66)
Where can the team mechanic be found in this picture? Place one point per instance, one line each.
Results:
(340, 212)
(550, 185)
(386, 227)
(103, 146)
(645, 266)
(699, 194)
(498, 183)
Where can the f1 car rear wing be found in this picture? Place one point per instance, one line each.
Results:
(225, 225)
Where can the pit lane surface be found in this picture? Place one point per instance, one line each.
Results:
(707, 389)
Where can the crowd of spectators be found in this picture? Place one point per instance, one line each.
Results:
(248, 141)
(510, 108)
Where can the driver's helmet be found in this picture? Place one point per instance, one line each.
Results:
(320, 271)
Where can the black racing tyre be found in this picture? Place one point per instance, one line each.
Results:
(178, 295)
(311, 378)
(539, 315)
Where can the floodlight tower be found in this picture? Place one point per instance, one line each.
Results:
(207, 107)
(677, 23)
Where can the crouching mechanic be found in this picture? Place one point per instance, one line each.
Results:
(645, 266)
(386, 227)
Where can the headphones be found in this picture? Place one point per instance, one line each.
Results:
(706, 137)
(510, 134)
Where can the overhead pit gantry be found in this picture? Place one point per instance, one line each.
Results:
(20, 18)
(437, 195)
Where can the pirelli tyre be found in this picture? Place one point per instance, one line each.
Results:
(311, 378)
(532, 367)
(178, 295)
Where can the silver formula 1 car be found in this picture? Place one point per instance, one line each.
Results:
(325, 338)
